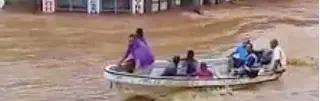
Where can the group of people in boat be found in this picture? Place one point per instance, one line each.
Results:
(245, 60)
(187, 66)
(249, 62)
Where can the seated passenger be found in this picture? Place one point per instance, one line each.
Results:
(279, 60)
(266, 57)
(239, 55)
(251, 58)
(203, 73)
(189, 64)
(251, 67)
(130, 66)
(171, 70)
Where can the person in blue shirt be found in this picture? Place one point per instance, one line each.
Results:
(239, 55)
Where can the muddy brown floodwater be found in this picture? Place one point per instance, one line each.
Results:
(60, 57)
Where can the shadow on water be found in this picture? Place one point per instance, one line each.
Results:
(139, 98)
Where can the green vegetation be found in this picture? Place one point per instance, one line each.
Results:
(299, 62)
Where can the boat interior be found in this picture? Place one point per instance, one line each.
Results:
(220, 67)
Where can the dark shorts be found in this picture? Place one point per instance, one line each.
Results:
(237, 63)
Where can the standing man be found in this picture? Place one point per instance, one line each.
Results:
(279, 60)
(143, 53)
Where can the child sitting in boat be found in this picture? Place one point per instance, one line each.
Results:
(171, 70)
(203, 73)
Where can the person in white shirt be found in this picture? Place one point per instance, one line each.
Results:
(2, 3)
(278, 62)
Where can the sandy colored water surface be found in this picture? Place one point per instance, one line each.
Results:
(60, 57)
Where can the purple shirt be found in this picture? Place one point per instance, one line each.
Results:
(140, 51)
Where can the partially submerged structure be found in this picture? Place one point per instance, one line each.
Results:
(111, 6)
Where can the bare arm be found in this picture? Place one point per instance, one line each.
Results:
(128, 51)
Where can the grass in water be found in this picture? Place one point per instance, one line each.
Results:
(299, 62)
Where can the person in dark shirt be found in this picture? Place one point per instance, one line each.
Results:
(251, 67)
(171, 70)
(190, 62)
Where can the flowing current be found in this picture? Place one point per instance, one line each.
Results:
(61, 57)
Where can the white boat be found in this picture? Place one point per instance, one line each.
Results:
(2, 3)
(156, 86)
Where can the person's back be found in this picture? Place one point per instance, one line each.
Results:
(266, 57)
(188, 65)
(171, 69)
(190, 62)
(185, 68)
(191, 65)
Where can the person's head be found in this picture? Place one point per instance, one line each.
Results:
(176, 59)
(249, 47)
(246, 40)
(190, 54)
(131, 37)
(130, 65)
(203, 66)
(139, 32)
(274, 43)
(131, 62)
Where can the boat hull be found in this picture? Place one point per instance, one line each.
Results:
(128, 90)
(159, 87)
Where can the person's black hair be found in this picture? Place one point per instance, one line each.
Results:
(275, 41)
(139, 32)
(250, 45)
(176, 60)
(203, 64)
(131, 66)
(131, 35)
(190, 53)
